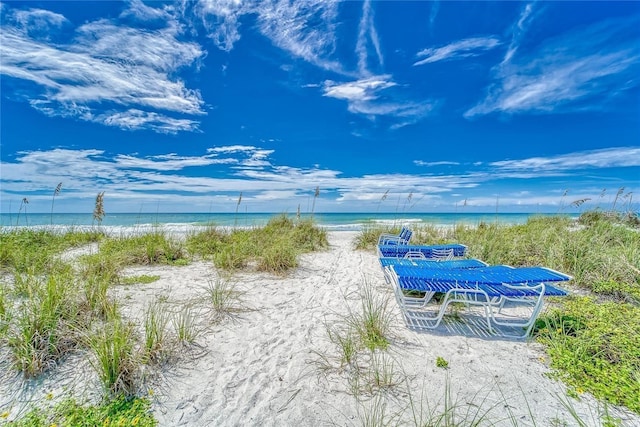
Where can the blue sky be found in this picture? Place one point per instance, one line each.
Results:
(433, 106)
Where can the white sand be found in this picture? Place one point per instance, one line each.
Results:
(263, 365)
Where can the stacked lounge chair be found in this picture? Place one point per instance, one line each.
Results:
(510, 298)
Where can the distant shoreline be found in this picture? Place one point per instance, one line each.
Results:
(330, 221)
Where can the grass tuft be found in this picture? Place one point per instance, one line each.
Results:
(115, 359)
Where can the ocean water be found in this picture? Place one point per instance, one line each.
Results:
(330, 221)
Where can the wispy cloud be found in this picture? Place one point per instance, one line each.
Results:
(519, 29)
(109, 74)
(435, 8)
(441, 163)
(220, 19)
(308, 31)
(305, 30)
(365, 96)
(460, 49)
(604, 158)
(358, 91)
(218, 175)
(578, 70)
(367, 32)
(169, 162)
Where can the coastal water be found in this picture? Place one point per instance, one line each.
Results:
(330, 221)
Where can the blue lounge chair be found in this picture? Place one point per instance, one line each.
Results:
(490, 287)
(401, 238)
(422, 262)
(431, 251)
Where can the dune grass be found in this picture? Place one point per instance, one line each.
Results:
(29, 250)
(273, 248)
(156, 320)
(145, 249)
(185, 325)
(44, 323)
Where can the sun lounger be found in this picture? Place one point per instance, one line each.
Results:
(490, 288)
(431, 251)
(401, 238)
(429, 263)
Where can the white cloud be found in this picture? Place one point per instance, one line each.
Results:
(304, 29)
(168, 162)
(218, 176)
(364, 96)
(134, 119)
(460, 49)
(441, 163)
(140, 11)
(220, 19)
(37, 23)
(232, 149)
(105, 67)
(603, 158)
(519, 29)
(578, 70)
(360, 90)
(367, 31)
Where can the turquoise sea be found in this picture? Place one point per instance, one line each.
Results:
(330, 221)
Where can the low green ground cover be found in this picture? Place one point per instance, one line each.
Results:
(69, 413)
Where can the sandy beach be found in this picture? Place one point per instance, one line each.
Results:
(270, 362)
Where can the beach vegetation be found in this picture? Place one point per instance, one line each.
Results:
(144, 249)
(346, 343)
(115, 358)
(142, 279)
(116, 412)
(43, 325)
(32, 250)
(595, 347)
(23, 206)
(98, 210)
(273, 248)
(368, 236)
(5, 310)
(185, 325)
(441, 362)
(372, 323)
(156, 320)
(223, 299)
(56, 192)
(592, 342)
